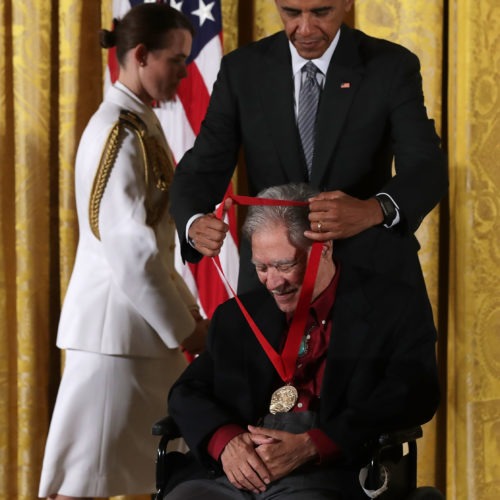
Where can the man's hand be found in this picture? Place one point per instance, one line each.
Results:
(336, 215)
(242, 465)
(281, 451)
(208, 232)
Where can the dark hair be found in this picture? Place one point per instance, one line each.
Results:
(294, 218)
(146, 23)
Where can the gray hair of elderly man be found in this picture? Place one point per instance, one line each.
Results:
(294, 218)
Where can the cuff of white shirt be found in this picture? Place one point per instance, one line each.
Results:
(188, 225)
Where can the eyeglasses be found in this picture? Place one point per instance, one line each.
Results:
(283, 267)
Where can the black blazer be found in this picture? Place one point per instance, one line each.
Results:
(371, 111)
(380, 374)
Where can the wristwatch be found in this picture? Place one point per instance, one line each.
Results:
(388, 209)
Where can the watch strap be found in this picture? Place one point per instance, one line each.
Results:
(389, 210)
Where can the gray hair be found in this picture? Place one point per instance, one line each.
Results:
(294, 218)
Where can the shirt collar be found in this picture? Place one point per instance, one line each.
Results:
(322, 62)
(119, 85)
(323, 304)
(118, 92)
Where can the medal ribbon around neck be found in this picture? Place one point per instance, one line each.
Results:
(284, 363)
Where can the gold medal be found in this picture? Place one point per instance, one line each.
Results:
(283, 399)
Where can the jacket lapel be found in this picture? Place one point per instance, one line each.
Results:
(344, 76)
(272, 323)
(277, 97)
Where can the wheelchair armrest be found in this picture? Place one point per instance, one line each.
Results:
(173, 467)
(400, 436)
(166, 427)
(168, 430)
(388, 454)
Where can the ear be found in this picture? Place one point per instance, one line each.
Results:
(140, 54)
(327, 248)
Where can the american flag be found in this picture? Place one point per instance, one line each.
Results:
(181, 120)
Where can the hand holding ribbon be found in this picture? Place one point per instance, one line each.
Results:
(208, 232)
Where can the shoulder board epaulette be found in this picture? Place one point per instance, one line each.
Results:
(128, 120)
(132, 120)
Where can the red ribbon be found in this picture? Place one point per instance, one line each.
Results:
(284, 363)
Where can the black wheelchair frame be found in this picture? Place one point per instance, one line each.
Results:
(387, 455)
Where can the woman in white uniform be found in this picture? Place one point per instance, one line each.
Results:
(127, 313)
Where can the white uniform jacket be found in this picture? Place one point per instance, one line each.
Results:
(124, 296)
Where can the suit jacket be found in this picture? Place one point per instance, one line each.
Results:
(124, 296)
(380, 371)
(379, 115)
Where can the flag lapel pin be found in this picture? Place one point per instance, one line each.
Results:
(345, 85)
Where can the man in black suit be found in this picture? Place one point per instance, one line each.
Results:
(371, 112)
(365, 365)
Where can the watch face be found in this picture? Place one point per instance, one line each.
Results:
(388, 209)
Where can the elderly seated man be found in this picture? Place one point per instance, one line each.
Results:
(284, 408)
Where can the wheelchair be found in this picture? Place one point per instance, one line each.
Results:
(390, 465)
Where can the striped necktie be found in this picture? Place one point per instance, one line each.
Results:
(308, 106)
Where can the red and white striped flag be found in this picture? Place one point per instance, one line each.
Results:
(181, 120)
